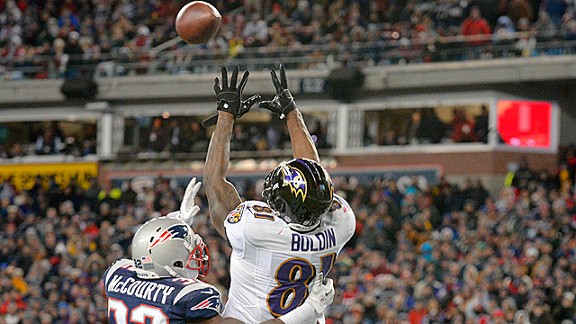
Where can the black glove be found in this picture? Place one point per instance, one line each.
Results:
(229, 97)
(283, 102)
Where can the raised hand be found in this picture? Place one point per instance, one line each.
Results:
(229, 96)
(283, 102)
(188, 209)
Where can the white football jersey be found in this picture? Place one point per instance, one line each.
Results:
(272, 266)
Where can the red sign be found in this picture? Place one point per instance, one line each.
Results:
(525, 123)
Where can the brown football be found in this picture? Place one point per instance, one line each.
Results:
(198, 22)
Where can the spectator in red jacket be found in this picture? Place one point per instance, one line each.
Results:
(476, 28)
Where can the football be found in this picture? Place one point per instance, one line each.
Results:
(198, 22)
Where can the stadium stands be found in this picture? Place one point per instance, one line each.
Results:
(440, 253)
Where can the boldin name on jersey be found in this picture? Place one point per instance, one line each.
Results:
(316, 242)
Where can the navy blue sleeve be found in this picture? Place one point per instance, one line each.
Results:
(202, 304)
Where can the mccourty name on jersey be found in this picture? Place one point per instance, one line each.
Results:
(142, 289)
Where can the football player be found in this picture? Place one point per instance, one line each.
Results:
(160, 283)
(278, 246)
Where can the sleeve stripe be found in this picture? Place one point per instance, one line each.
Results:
(188, 289)
(115, 267)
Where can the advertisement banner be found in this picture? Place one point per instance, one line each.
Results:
(23, 176)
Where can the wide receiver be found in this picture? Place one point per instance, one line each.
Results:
(160, 282)
(278, 246)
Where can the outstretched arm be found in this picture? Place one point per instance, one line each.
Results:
(302, 144)
(222, 195)
(284, 106)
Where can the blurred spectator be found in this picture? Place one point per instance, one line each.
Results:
(518, 9)
(524, 175)
(504, 32)
(75, 56)
(556, 9)
(481, 125)
(156, 139)
(194, 138)
(526, 44)
(432, 129)
(566, 309)
(49, 142)
(569, 31)
(545, 29)
(389, 138)
(462, 127)
(475, 28)
(414, 130)
(174, 136)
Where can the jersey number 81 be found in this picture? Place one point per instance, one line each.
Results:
(293, 277)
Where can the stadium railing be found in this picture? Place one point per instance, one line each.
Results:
(201, 59)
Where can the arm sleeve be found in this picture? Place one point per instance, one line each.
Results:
(202, 304)
(349, 218)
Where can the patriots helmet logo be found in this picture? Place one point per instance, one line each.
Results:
(295, 179)
(172, 232)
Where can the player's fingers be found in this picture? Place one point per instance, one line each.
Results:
(283, 80)
(234, 78)
(196, 188)
(266, 105)
(217, 87)
(275, 81)
(193, 211)
(190, 189)
(191, 184)
(224, 77)
(243, 81)
(319, 278)
(329, 293)
(252, 100)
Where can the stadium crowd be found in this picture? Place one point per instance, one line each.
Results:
(439, 254)
(65, 38)
(158, 136)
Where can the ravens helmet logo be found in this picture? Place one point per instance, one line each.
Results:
(295, 179)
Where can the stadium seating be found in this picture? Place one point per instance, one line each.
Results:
(440, 252)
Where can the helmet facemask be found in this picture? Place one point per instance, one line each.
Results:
(199, 258)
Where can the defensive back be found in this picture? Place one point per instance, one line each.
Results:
(132, 299)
